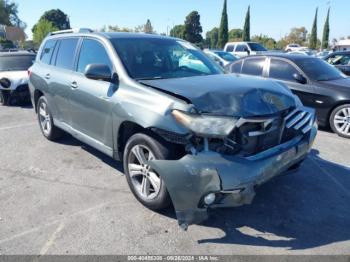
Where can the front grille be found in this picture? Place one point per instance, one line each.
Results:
(22, 88)
(259, 134)
(300, 119)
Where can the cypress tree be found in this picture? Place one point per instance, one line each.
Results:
(246, 28)
(325, 38)
(223, 30)
(313, 36)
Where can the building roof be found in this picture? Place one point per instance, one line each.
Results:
(345, 42)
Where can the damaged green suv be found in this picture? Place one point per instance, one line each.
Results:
(187, 133)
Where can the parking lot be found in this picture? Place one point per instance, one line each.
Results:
(67, 198)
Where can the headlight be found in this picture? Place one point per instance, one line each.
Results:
(5, 82)
(206, 125)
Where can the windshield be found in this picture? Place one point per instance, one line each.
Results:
(16, 62)
(257, 47)
(226, 56)
(319, 70)
(155, 58)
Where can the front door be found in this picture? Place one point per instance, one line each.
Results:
(91, 106)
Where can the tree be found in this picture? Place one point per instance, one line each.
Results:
(58, 18)
(115, 28)
(9, 14)
(325, 37)
(265, 40)
(246, 28)
(223, 30)
(193, 28)
(297, 35)
(235, 34)
(313, 36)
(178, 31)
(212, 38)
(42, 28)
(148, 27)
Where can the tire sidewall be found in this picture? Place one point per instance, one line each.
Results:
(41, 100)
(4, 98)
(331, 120)
(162, 200)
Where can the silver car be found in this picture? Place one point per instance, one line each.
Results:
(187, 133)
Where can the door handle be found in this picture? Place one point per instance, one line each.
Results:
(74, 84)
(47, 76)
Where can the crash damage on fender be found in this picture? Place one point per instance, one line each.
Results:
(241, 133)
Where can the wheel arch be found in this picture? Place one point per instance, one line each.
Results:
(37, 94)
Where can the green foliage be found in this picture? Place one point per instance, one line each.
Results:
(223, 30)
(325, 38)
(265, 40)
(6, 44)
(212, 38)
(148, 27)
(9, 14)
(246, 28)
(193, 28)
(43, 27)
(235, 34)
(297, 35)
(178, 31)
(313, 36)
(59, 19)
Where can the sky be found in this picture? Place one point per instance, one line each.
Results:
(271, 17)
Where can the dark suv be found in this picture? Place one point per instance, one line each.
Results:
(186, 132)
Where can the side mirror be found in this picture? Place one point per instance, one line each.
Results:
(98, 72)
(299, 78)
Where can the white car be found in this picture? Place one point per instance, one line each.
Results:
(221, 57)
(242, 49)
(14, 76)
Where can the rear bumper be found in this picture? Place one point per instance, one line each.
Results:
(231, 178)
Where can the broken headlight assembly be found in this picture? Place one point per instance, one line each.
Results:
(206, 125)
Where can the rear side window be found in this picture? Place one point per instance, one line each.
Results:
(66, 52)
(230, 48)
(241, 48)
(47, 51)
(236, 67)
(253, 66)
(92, 52)
(282, 70)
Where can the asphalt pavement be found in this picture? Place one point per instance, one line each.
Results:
(67, 198)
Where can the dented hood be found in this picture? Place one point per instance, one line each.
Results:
(229, 95)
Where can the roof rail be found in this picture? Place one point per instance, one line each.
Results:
(75, 30)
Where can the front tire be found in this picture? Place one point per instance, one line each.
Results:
(147, 186)
(340, 120)
(4, 98)
(47, 127)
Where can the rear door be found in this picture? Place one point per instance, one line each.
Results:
(91, 107)
(253, 66)
(61, 76)
(241, 50)
(283, 71)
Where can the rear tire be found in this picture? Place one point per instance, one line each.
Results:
(47, 126)
(147, 186)
(340, 120)
(4, 98)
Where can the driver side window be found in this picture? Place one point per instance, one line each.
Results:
(92, 52)
(282, 70)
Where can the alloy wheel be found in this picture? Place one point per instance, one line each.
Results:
(45, 119)
(144, 179)
(342, 121)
